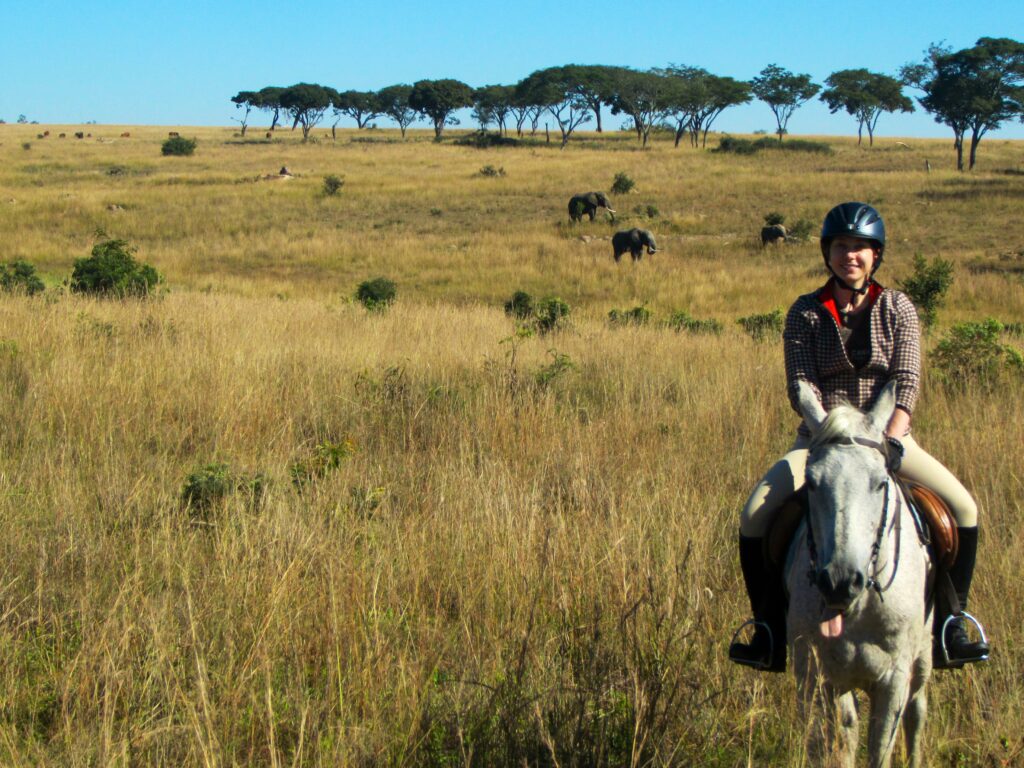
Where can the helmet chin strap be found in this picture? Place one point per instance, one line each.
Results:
(859, 291)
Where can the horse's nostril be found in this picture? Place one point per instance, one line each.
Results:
(858, 580)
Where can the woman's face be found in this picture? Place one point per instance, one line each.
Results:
(852, 258)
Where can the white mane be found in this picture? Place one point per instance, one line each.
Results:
(841, 425)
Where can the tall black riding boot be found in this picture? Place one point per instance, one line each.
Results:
(766, 651)
(958, 645)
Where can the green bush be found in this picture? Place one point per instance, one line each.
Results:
(974, 353)
(211, 484)
(20, 277)
(635, 316)
(332, 184)
(622, 183)
(485, 140)
(377, 294)
(550, 314)
(763, 327)
(520, 305)
(490, 171)
(681, 320)
(927, 287)
(178, 145)
(111, 270)
(325, 458)
(732, 145)
(801, 230)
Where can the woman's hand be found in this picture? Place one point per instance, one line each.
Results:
(899, 424)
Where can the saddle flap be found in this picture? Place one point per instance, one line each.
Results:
(940, 522)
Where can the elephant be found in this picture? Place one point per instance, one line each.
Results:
(633, 240)
(588, 203)
(773, 233)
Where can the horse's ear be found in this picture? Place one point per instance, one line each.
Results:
(810, 406)
(881, 412)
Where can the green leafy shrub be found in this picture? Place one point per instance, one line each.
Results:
(974, 353)
(763, 327)
(732, 145)
(550, 314)
(635, 316)
(26, 145)
(111, 270)
(801, 230)
(211, 485)
(928, 285)
(560, 365)
(20, 277)
(485, 140)
(325, 458)
(178, 146)
(682, 320)
(773, 218)
(622, 183)
(520, 305)
(377, 294)
(491, 172)
(332, 184)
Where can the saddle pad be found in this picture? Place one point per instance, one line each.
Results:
(940, 522)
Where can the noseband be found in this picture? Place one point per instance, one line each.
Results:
(876, 547)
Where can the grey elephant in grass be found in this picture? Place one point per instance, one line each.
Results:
(634, 241)
(588, 203)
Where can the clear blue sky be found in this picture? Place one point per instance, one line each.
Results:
(179, 63)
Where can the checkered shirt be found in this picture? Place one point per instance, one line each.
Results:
(815, 353)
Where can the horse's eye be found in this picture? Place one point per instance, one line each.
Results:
(882, 484)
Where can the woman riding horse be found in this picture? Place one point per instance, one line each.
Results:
(847, 340)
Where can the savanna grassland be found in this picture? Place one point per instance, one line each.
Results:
(441, 542)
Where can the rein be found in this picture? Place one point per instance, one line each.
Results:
(876, 546)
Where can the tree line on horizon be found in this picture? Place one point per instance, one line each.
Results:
(973, 91)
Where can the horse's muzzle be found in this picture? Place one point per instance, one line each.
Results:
(839, 586)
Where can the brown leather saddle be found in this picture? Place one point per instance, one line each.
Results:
(932, 511)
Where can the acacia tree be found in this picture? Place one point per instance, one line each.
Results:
(249, 100)
(523, 109)
(394, 102)
(306, 104)
(865, 95)
(647, 97)
(269, 100)
(492, 104)
(554, 90)
(783, 92)
(438, 99)
(973, 89)
(361, 106)
(698, 98)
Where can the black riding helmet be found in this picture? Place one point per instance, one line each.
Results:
(857, 220)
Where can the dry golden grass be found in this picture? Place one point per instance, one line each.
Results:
(516, 559)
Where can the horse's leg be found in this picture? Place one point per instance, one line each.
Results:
(917, 711)
(849, 729)
(888, 702)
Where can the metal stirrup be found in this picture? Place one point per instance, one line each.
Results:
(761, 665)
(942, 637)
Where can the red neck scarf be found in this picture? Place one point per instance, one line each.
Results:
(827, 297)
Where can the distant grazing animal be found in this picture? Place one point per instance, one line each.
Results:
(172, 134)
(269, 134)
(46, 133)
(60, 136)
(126, 135)
(633, 240)
(79, 134)
(588, 203)
(773, 233)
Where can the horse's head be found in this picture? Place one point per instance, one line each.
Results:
(847, 485)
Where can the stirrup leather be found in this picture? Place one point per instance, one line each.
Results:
(759, 665)
(942, 640)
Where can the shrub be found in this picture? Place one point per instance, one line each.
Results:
(746, 147)
(26, 145)
(547, 374)
(377, 294)
(650, 211)
(520, 305)
(974, 353)
(773, 218)
(325, 458)
(332, 184)
(20, 277)
(550, 314)
(485, 140)
(622, 183)
(212, 484)
(111, 270)
(927, 287)
(801, 230)
(681, 320)
(178, 145)
(763, 327)
(635, 316)
(491, 172)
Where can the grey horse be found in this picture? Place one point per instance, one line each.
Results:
(858, 575)
(588, 203)
(634, 241)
